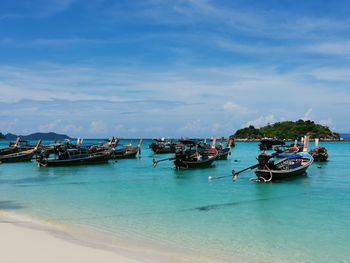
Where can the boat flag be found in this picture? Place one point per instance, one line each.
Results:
(306, 143)
(17, 141)
(214, 142)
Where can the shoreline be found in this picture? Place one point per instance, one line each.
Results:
(236, 140)
(25, 240)
(44, 241)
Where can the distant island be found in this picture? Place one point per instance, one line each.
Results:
(36, 136)
(287, 130)
(345, 136)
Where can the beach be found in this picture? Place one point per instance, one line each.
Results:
(27, 239)
(30, 241)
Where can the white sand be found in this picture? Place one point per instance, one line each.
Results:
(21, 244)
(24, 239)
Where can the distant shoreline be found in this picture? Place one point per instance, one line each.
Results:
(36, 136)
(236, 140)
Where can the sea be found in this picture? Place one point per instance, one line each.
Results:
(306, 219)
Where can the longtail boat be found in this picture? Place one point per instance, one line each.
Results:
(21, 156)
(55, 147)
(223, 152)
(22, 144)
(231, 142)
(319, 154)
(273, 168)
(162, 146)
(111, 143)
(11, 149)
(292, 148)
(268, 143)
(76, 156)
(127, 152)
(189, 159)
(289, 167)
(193, 156)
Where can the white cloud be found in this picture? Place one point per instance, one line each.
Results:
(191, 99)
(341, 48)
(98, 127)
(49, 127)
(327, 122)
(331, 74)
(231, 106)
(231, 18)
(262, 121)
(72, 129)
(61, 126)
(195, 125)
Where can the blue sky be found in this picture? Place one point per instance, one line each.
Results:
(171, 68)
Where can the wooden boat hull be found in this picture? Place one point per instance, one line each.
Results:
(163, 151)
(128, 154)
(16, 147)
(93, 159)
(165, 148)
(319, 154)
(14, 158)
(223, 154)
(180, 164)
(7, 151)
(320, 157)
(274, 175)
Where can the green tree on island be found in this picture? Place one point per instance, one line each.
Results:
(287, 130)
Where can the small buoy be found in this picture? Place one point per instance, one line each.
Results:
(210, 177)
(319, 166)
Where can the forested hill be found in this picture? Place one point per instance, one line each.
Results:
(287, 130)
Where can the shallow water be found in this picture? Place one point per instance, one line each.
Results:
(301, 220)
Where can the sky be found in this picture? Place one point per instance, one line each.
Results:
(155, 68)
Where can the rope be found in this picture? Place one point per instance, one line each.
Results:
(42, 164)
(269, 172)
(178, 167)
(262, 179)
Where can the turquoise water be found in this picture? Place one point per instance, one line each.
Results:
(301, 220)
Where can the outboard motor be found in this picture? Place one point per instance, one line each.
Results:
(263, 159)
